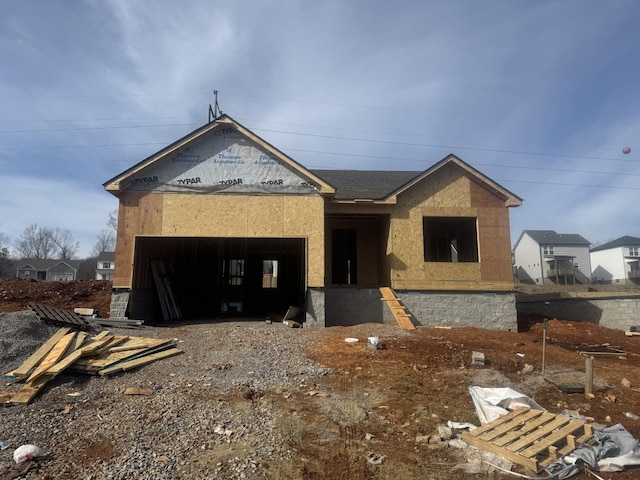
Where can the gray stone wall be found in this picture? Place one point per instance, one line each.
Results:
(495, 311)
(315, 311)
(616, 313)
(353, 306)
(119, 303)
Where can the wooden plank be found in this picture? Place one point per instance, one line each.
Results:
(107, 359)
(54, 355)
(38, 355)
(134, 346)
(73, 357)
(388, 294)
(31, 389)
(121, 367)
(102, 334)
(79, 341)
(552, 438)
(508, 417)
(405, 323)
(535, 417)
(538, 434)
(397, 309)
(155, 270)
(528, 427)
(84, 311)
(632, 334)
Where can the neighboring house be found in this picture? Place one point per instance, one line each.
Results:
(546, 257)
(617, 261)
(247, 229)
(105, 266)
(51, 270)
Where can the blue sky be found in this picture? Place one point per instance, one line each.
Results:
(539, 96)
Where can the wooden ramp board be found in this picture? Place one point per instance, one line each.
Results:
(531, 438)
(397, 309)
(61, 317)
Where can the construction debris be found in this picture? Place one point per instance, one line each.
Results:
(477, 358)
(62, 318)
(530, 437)
(292, 324)
(80, 318)
(74, 351)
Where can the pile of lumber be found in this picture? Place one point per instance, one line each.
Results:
(73, 351)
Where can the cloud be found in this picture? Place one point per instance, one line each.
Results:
(56, 204)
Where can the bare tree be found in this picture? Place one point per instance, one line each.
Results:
(5, 263)
(112, 221)
(4, 243)
(36, 242)
(66, 245)
(107, 236)
(106, 242)
(44, 242)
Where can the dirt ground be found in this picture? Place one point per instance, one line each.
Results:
(16, 293)
(420, 380)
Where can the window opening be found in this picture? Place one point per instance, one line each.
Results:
(450, 239)
(236, 271)
(270, 274)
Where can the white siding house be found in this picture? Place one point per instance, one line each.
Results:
(105, 266)
(617, 261)
(546, 257)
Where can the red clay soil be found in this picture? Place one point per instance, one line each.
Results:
(422, 379)
(16, 293)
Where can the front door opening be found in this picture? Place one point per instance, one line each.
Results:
(344, 259)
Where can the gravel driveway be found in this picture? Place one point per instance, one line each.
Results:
(213, 412)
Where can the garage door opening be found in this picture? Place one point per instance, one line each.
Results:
(213, 278)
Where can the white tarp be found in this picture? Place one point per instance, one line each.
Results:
(491, 403)
(229, 162)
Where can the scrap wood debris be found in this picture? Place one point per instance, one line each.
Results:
(80, 318)
(73, 351)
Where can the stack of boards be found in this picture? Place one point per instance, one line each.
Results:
(72, 351)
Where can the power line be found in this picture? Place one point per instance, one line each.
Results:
(335, 137)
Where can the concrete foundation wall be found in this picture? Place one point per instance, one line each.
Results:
(315, 311)
(353, 306)
(494, 311)
(616, 313)
(119, 303)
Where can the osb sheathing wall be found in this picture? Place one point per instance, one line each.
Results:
(171, 215)
(449, 193)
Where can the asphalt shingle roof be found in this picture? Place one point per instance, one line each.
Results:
(625, 241)
(549, 237)
(45, 264)
(365, 184)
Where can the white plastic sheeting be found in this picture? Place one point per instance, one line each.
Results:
(491, 403)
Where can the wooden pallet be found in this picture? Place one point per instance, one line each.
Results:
(61, 317)
(397, 309)
(531, 438)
